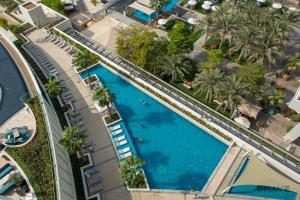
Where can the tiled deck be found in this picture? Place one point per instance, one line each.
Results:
(104, 156)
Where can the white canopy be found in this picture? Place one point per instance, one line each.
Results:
(192, 2)
(192, 21)
(249, 109)
(142, 8)
(214, 8)
(277, 5)
(243, 121)
(205, 6)
(292, 9)
(208, 3)
(261, 1)
(162, 21)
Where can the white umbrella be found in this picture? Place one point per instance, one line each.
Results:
(205, 6)
(292, 9)
(208, 3)
(214, 8)
(261, 1)
(192, 21)
(192, 2)
(162, 21)
(277, 5)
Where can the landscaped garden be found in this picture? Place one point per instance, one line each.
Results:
(55, 5)
(34, 158)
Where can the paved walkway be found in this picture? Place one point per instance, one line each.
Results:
(104, 156)
(222, 170)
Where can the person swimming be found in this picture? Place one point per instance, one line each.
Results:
(144, 103)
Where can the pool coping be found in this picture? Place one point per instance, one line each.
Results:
(229, 144)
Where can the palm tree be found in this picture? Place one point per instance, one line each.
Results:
(53, 87)
(104, 98)
(174, 66)
(72, 141)
(128, 169)
(224, 22)
(232, 91)
(208, 21)
(208, 83)
(275, 97)
(84, 59)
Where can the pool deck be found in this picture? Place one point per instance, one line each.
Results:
(104, 156)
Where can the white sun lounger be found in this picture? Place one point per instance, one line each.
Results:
(124, 150)
(117, 132)
(122, 137)
(122, 142)
(116, 127)
(126, 155)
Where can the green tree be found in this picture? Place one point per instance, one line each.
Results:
(175, 66)
(53, 87)
(208, 22)
(141, 46)
(224, 22)
(156, 5)
(104, 98)
(85, 59)
(214, 60)
(275, 98)
(208, 84)
(179, 39)
(72, 141)
(294, 63)
(253, 75)
(128, 170)
(232, 91)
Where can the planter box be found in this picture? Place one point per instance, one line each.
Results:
(111, 120)
(93, 79)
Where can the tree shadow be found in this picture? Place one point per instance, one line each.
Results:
(156, 117)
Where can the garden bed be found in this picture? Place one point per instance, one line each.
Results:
(90, 80)
(34, 158)
(111, 119)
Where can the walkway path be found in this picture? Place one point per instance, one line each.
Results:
(222, 170)
(104, 156)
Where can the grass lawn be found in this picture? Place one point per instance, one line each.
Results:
(34, 158)
(55, 5)
(201, 98)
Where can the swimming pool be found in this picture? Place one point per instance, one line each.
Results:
(144, 17)
(178, 154)
(12, 86)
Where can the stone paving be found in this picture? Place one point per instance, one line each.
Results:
(104, 156)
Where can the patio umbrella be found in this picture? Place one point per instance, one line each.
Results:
(292, 9)
(192, 21)
(208, 3)
(261, 1)
(206, 7)
(243, 121)
(277, 5)
(214, 8)
(162, 21)
(192, 2)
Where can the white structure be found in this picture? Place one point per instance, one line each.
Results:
(294, 104)
(34, 14)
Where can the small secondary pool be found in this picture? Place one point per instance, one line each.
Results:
(12, 86)
(178, 154)
(263, 191)
(144, 17)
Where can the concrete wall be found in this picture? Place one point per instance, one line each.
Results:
(65, 187)
(35, 16)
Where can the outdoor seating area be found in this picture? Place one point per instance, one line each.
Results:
(61, 43)
(16, 136)
(41, 59)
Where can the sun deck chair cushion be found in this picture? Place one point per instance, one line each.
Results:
(116, 127)
(125, 155)
(122, 137)
(117, 132)
(124, 150)
(120, 143)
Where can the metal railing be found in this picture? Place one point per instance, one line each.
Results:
(251, 137)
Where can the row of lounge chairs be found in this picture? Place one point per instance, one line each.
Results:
(41, 58)
(5, 183)
(76, 121)
(61, 43)
(120, 140)
(93, 181)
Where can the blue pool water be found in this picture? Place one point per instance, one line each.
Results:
(178, 154)
(12, 86)
(144, 17)
(263, 191)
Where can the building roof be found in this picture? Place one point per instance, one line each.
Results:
(294, 104)
(80, 19)
(29, 5)
(293, 134)
(249, 109)
(144, 2)
(140, 7)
